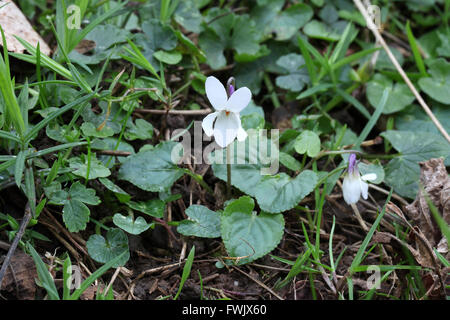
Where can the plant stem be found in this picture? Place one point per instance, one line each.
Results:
(200, 180)
(270, 88)
(228, 173)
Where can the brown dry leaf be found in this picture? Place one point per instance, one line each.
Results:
(436, 183)
(20, 281)
(14, 22)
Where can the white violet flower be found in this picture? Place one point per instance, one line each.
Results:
(225, 122)
(354, 185)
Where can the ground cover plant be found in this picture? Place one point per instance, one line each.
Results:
(242, 150)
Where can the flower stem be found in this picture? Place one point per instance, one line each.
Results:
(228, 174)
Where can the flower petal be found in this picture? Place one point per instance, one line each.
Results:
(369, 177)
(207, 123)
(241, 134)
(226, 128)
(215, 91)
(351, 188)
(364, 189)
(239, 100)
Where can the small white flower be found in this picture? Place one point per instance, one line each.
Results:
(225, 123)
(354, 185)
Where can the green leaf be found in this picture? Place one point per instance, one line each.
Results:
(202, 222)
(254, 176)
(169, 57)
(188, 16)
(90, 130)
(415, 119)
(233, 32)
(154, 207)
(155, 36)
(270, 17)
(376, 168)
(296, 78)
(308, 142)
(122, 195)
(20, 167)
(186, 271)
(75, 212)
(142, 130)
(75, 215)
(403, 172)
(129, 225)
(44, 275)
(96, 168)
(319, 30)
(290, 162)
(152, 170)
(103, 38)
(103, 250)
(438, 85)
(249, 235)
(399, 94)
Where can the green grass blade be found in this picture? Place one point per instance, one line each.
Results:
(358, 105)
(186, 271)
(56, 114)
(43, 274)
(415, 50)
(373, 120)
(360, 254)
(98, 273)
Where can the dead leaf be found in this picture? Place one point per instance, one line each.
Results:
(19, 277)
(436, 183)
(14, 22)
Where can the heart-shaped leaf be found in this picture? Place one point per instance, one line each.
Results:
(90, 130)
(103, 250)
(202, 222)
(270, 17)
(274, 192)
(153, 207)
(248, 235)
(399, 94)
(152, 170)
(129, 225)
(308, 142)
(438, 85)
(81, 165)
(122, 195)
(403, 172)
